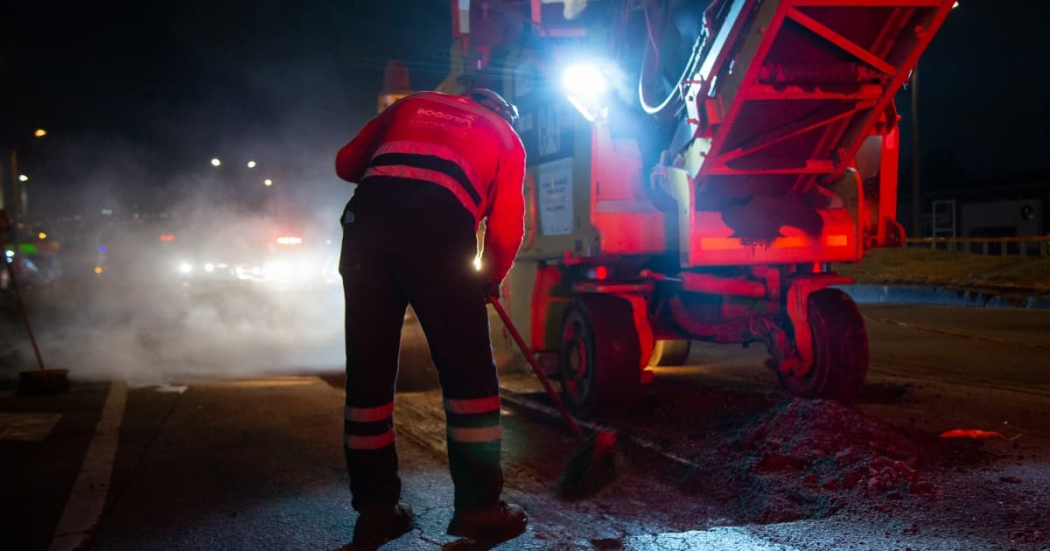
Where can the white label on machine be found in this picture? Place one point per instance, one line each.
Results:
(554, 181)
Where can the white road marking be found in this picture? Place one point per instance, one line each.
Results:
(27, 427)
(88, 497)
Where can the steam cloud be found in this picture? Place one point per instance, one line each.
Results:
(140, 321)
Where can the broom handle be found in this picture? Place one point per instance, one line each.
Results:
(569, 420)
(22, 308)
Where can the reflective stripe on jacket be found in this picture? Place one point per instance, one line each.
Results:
(457, 144)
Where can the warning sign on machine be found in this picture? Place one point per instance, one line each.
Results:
(554, 183)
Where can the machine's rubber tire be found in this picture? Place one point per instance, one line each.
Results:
(670, 352)
(599, 355)
(840, 349)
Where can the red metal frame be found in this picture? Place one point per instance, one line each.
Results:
(889, 232)
(713, 243)
(820, 77)
(626, 223)
(831, 134)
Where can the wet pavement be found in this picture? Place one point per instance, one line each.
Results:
(258, 465)
(717, 456)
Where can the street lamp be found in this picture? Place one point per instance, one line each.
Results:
(216, 162)
(268, 182)
(18, 192)
(251, 164)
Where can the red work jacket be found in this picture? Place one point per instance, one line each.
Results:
(459, 145)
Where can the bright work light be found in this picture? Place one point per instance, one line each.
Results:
(586, 86)
(584, 81)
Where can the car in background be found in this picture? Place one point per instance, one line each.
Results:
(291, 262)
(238, 254)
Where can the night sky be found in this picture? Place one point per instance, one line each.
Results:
(146, 93)
(139, 96)
(985, 95)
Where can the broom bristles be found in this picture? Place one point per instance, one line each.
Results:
(594, 464)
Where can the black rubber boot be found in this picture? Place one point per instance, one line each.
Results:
(379, 524)
(498, 523)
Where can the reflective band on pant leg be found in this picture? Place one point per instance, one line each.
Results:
(474, 405)
(370, 415)
(473, 436)
(355, 442)
(473, 420)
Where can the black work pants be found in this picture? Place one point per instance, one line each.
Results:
(412, 242)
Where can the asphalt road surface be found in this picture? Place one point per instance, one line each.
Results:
(717, 456)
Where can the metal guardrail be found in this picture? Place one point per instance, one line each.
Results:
(1001, 246)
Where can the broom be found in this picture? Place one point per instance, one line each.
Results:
(596, 461)
(42, 380)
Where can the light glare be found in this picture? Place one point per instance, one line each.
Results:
(584, 80)
(40, 132)
(251, 164)
(23, 178)
(216, 162)
(276, 270)
(268, 182)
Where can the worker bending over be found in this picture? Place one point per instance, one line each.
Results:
(429, 169)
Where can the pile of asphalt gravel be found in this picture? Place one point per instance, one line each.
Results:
(806, 458)
(801, 459)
